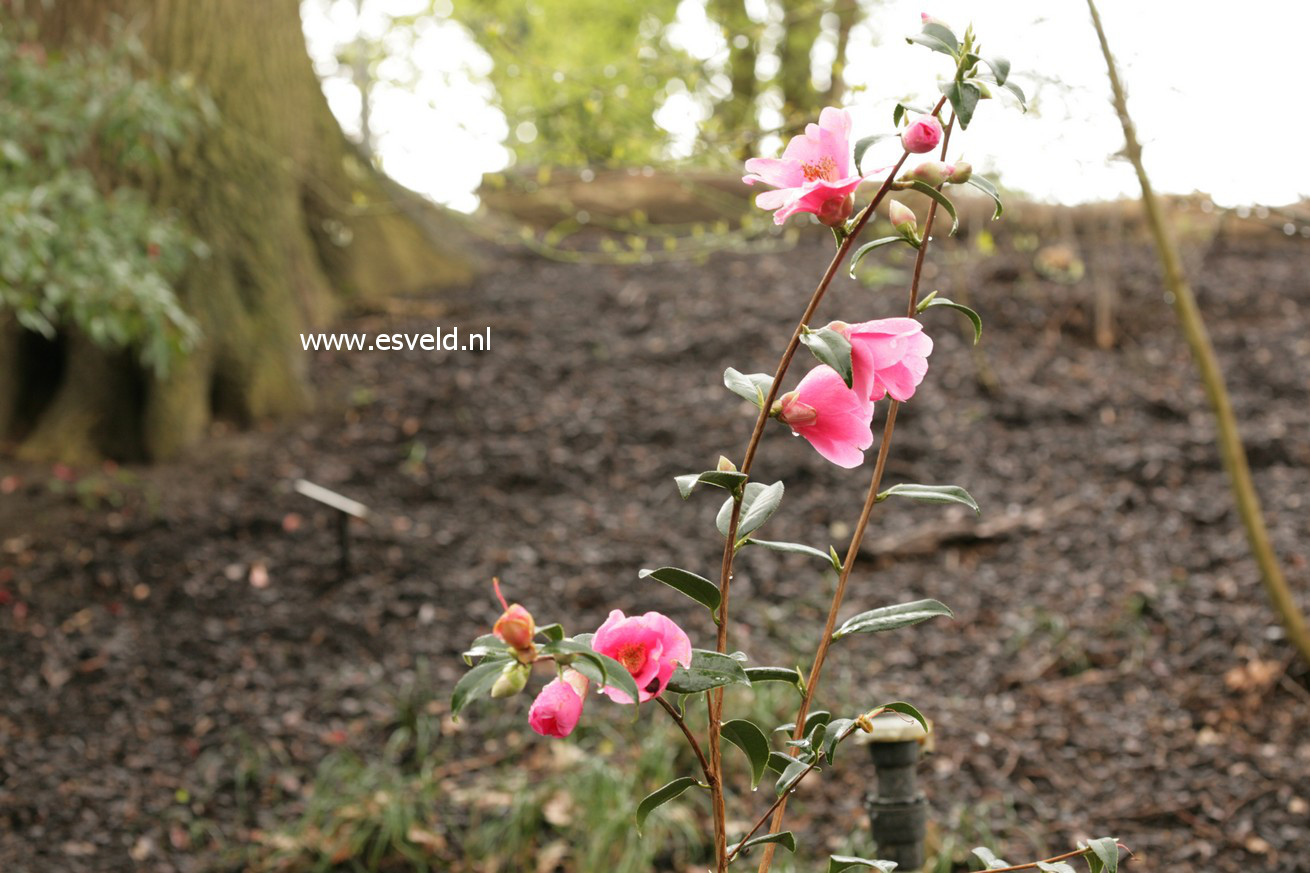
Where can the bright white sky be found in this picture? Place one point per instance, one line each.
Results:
(1211, 88)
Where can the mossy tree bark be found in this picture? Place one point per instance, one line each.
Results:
(297, 223)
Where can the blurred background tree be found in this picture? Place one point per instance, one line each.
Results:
(224, 245)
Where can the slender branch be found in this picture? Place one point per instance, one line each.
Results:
(776, 803)
(1033, 864)
(691, 738)
(714, 698)
(857, 537)
(1212, 377)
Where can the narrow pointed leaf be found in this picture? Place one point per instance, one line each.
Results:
(662, 796)
(475, 683)
(774, 674)
(790, 777)
(870, 246)
(793, 548)
(931, 42)
(758, 502)
(753, 386)
(985, 855)
(748, 737)
(698, 588)
(840, 863)
(891, 617)
(984, 185)
(942, 200)
(708, 670)
(783, 838)
(1057, 867)
(973, 317)
(906, 709)
(932, 494)
(838, 730)
(830, 348)
(726, 479)
(1000, 68)
(485, 646)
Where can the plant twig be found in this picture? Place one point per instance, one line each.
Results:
(1198, 338)
(857, 536)
(691, 738)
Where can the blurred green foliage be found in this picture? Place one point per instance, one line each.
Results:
(75, 249)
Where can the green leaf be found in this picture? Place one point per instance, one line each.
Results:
(862, 146)
(793, 548)
(783, 838)
(728, 480)
(943, 33)
(698, 588)
(1057, 867)
(601, 669)
(932, 494)
(887, 618)
(1106, 851)
(1017, 93)
(838, 863)
(753, 387)
(475, 683)
(870, 246)
(942, 200)
(985, 855)
(552, 632)
(1000, 68)
(774, 674)
(964, 99)
(748, 737)
(487, 645)
(708, 670)
(933, 300)
(758, 503)
(830, 348)
(932, 42)
(790, 777)
(780, 761)
(906, 709)
(662, 796)
(984, 185)
(838, 730)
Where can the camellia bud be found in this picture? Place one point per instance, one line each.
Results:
(902, 218)
(923, 135)
(795, 413)
(932, 173)
(726, 466)
(834, 213)
(515, 628)
(512, 680)
(962, 172)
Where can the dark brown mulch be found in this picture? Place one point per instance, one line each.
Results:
(1113, 667)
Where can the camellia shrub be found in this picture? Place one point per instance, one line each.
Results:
(638, 660)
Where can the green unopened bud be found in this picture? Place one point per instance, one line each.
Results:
(903, 218)
(932, 173)
(962, 173)
(726, 466)
(512, 680)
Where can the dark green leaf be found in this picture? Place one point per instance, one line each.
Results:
(1106, 850)
(830, 348)
(933, 300)
(726, 479)
(698, 588)
(984, 185)
(891, 617)
(906, 709)
(662, 796)
(600, 668)
(870, 246)
(943, 33)
(838, 730)
(782, 838)
(790, 777)
(753, 387)
(839, 863)
(862, 146)
(1057, 867)
(747, 736)
(1000, 68)
(708, 670)
(931, 42)
(780, 761)
(813, 720)
(774, 674)
(758, 503)
(794, 548)
(932, 494)
(964, 99)
(475, 683)
(942, 200)
(487, 645)
(552, 632)
(985, 855)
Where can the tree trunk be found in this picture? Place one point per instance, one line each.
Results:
(736, 115)
(848, 15)
(800, 99)
(297, 223)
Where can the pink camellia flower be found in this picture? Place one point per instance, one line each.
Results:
(923, 135)
(650, 646)
(835, 419)
(814, 173)
(558, 707)
(888, 356)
